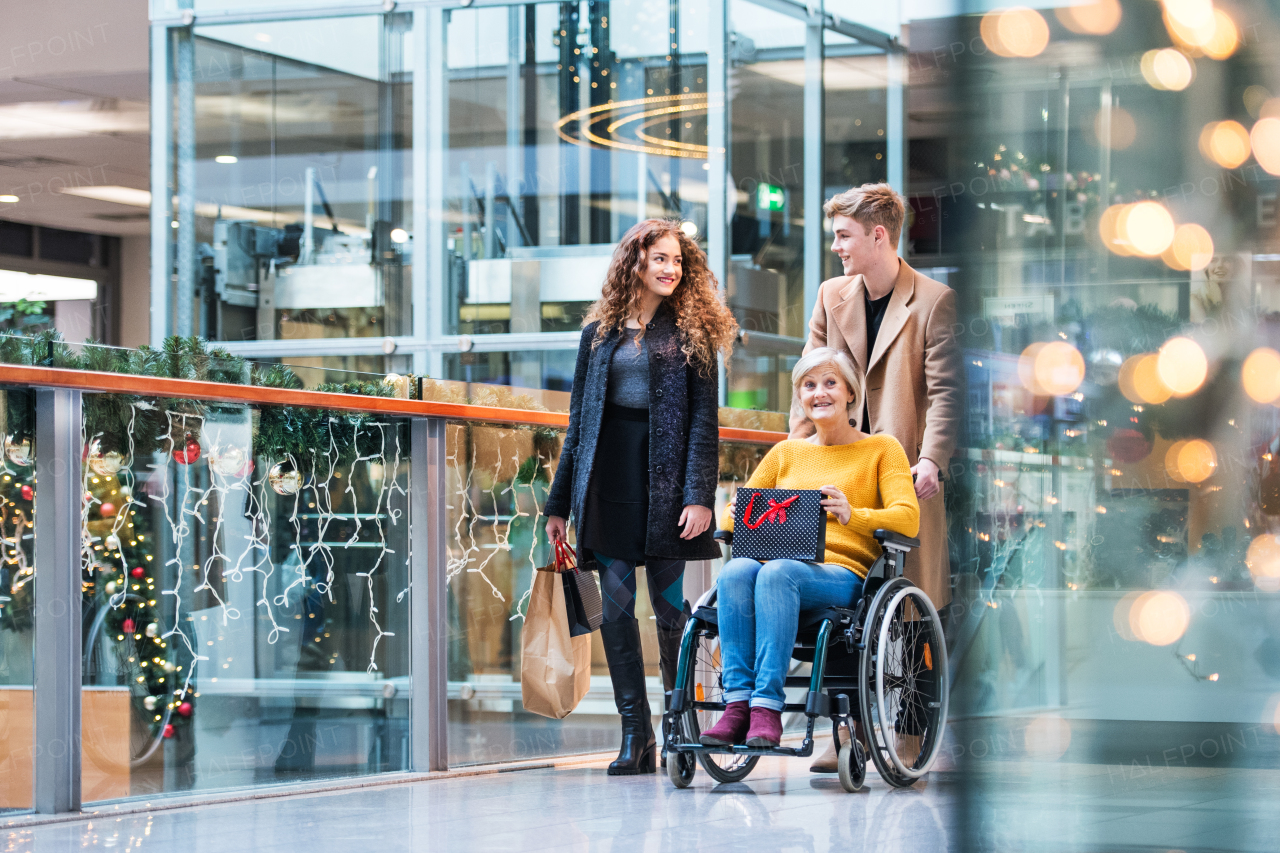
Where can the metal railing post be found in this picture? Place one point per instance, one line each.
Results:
(57, 585)
(428, 575)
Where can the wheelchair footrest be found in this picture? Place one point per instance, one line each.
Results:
(803, 751)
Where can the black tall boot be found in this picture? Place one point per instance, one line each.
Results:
(626, 669)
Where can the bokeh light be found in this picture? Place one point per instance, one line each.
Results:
(1027, 369)
(1197, 460)
(1147, 382)
(1261, 375)
(1124, 131)
(1059, 368)
(1254, 97)
(1047, 737)
(1193, 14)
(1147, 226)
(1265, 138)
(1225, 143)
(1190, 23)
(1225, 38)
(1016, 32)
(1120, 616)
(1167, 69)
(1092, 19)
(1192, 248)
(1159, 617)
(1109, 230)
(1171, 461)
(1263, 560)
(1182, 366)
(1140, 382)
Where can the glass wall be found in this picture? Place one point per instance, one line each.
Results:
(1102, 205)
(294, 206)
(558, 127)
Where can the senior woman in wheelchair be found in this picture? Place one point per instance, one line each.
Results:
(866, 484)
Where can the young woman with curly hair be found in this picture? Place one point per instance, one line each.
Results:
(640, 462)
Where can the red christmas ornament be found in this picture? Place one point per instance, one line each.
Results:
(128, 626)
(185, 709)
(188, 453)
(28, 493)
(1128, 446)
(108, 509)
(138, 571)
(168, 730)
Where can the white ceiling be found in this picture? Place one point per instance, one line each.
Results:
(73, 111)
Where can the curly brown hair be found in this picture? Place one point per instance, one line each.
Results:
(705, 323)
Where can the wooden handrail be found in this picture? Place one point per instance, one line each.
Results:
(218, 392)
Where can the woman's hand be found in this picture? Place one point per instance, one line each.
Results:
(694, 519)
(557, 528)
(837, 504)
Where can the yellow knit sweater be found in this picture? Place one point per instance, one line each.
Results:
(873, 474)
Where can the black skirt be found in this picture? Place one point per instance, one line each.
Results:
(616, 514)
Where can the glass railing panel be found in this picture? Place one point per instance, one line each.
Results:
(246, 614)
(17, 599)
(497, 481)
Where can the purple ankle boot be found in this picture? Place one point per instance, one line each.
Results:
(730, 729)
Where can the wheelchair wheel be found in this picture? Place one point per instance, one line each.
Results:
(705, 685)
(903, 678)
(852, 766)
(681, 765)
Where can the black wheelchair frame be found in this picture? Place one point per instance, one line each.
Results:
(853, 633)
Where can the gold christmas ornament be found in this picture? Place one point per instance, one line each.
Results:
(18, 452)
(284, 479)
(231, 462)
(104, 464)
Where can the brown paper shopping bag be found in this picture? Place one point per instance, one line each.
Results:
(555, 668)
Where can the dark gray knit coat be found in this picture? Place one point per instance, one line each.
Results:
(684, 453)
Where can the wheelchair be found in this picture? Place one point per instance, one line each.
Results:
(881, 663)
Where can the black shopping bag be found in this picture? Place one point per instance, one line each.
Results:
(581, 595)
(779, 524)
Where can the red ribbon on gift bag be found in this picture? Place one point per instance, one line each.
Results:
(776, 511)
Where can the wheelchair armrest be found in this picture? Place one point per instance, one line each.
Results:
(725, 536)
(887, 538)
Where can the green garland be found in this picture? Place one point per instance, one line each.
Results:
(114, 419)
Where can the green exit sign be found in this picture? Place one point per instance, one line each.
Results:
(769, 197)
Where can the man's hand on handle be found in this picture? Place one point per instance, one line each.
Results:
(926, 477)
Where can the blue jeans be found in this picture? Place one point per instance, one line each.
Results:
(759, 611)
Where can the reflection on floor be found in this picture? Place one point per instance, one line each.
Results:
(1003, 806)
(781, 806)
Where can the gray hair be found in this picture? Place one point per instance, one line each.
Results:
(828, 357)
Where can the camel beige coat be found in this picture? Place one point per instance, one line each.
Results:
(912, 383)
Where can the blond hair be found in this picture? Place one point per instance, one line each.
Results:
(870, 205)
(827, 357)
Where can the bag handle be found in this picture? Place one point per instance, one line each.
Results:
(565, 559)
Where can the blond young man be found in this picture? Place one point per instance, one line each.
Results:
(896, 324)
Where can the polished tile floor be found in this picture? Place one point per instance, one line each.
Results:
(1009, 806)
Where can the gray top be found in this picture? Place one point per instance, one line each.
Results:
(629, 373)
